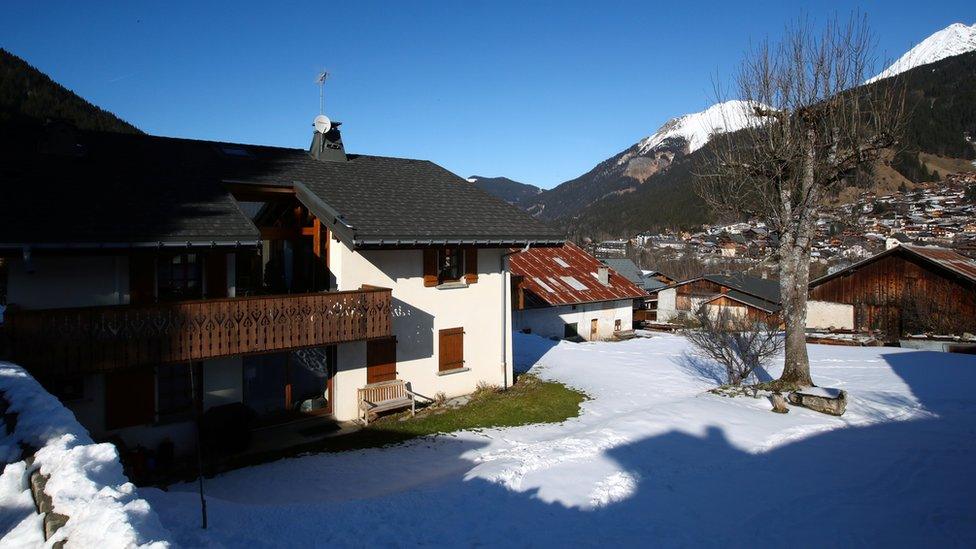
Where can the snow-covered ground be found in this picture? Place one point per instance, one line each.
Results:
(85, 480)
(652, 460)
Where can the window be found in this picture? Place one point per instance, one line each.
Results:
(451, 349)
(571, 330)
(178, 277)
(450, 264)
(574, 284)
(174, 397)
(544, 286)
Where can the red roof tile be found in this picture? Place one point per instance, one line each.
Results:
(567, 276)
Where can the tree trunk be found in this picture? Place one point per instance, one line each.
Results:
(794, 269)
(794, 278)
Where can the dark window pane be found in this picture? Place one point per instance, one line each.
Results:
(450, 263)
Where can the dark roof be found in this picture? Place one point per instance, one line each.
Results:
(943, 258)
(763, 288)
(549, 275)
(140, 188)
(117, 190)
(394, 201)
(629, 270)
(759, 292)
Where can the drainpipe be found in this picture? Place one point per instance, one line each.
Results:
(505, 311)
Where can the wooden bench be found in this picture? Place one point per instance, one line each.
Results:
(384, 396)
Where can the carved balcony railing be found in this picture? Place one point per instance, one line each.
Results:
(92, 339)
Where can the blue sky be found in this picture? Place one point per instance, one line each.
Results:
(536, 91)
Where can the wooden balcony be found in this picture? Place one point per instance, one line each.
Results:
(93, 339)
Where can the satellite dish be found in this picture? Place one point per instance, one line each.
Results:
(322, 124)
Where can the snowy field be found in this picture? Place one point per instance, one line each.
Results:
(652, 460)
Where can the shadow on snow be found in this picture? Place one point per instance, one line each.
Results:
(903, 483)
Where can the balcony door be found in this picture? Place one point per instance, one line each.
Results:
(289, 384)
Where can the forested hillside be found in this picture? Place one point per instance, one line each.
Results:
(941, 123)
(27, 94)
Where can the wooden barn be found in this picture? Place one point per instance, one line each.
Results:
(906, 290)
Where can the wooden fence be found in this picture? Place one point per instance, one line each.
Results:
(91, 339)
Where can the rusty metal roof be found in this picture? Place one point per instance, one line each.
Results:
(947, 258)
(567, 276)
(940, 257)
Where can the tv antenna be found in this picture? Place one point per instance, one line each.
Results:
(320, 80)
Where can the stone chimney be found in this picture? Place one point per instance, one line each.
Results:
(603, 275)
(327, 147)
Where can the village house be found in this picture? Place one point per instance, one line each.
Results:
(567, 293)
(747, 296)
(904, 290)
(147, 277)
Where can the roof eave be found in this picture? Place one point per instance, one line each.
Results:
(387, 242)
(146, 244)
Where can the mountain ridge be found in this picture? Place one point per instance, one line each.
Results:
(652, 166)
(29, 97)
(956, 39)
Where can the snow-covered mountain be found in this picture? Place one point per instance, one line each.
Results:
(624, 172)
(698, 128)
(956, 39)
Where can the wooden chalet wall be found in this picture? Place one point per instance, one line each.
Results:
(900, 293)
(698, 289)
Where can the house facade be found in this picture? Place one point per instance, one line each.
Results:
(744, 295)
(183, 276)
(904, 290)
(567, 293)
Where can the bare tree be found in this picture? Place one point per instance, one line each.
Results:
(810, 126)
(739, 343)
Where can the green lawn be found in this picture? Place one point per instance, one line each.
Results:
(530, 400)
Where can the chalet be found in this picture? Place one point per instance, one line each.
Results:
(906, 289)
(567, 293)
(746, 295)
(147, 277)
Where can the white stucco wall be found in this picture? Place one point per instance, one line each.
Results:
(823, 315)
(551, 321)
(419, 313)
(666, 305)
(72, 281)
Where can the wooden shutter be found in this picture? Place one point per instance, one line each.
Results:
(430, 267)
(215, 267)
(471, 265)
(130, 398)
(451, 349)
(142, 279)
(381, 360)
